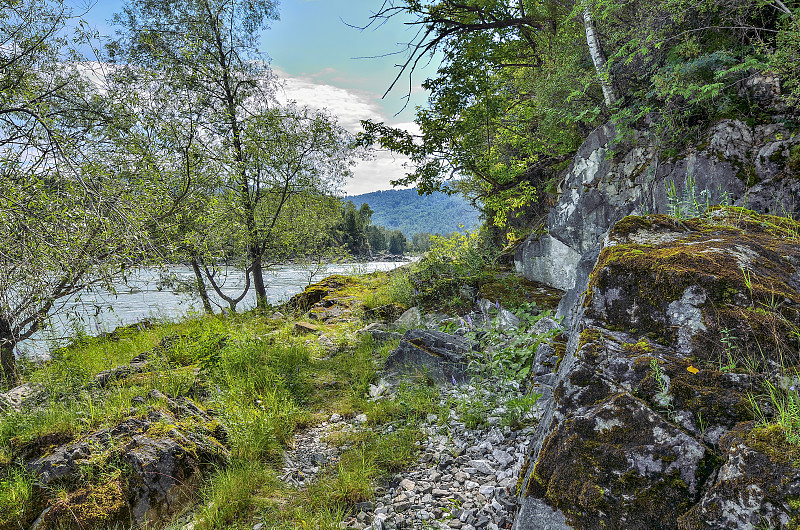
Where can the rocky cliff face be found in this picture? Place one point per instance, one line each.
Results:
(755, 167)
(649, 421)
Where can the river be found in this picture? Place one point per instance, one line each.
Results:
(144, 295)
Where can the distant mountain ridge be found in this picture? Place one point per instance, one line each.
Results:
(409, 212)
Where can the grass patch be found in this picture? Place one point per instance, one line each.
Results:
(17, 499)
(259, 380)
(230, 495)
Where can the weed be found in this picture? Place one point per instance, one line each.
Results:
(787, 406)
(691, 203)
(518, 410)
(17, 500)
(729, 347)
(229, 494)
(398, 290)
(662, 380)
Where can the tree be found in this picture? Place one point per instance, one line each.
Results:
(71, 216)
(377, 237)
(353, 228)
(397, 243)
(210, 48)
(521, 83)
(421, 241)
(266, 153)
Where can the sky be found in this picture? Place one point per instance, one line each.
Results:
(326, 62)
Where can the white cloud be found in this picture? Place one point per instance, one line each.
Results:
(350, 107)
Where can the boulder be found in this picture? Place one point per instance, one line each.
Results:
(163, 457)
(412, 318)
(608, 180)
(21, 397)
(648, 409)
(441, 356)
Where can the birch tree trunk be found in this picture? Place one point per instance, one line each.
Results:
(598, 58)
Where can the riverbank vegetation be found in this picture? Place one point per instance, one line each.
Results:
(257, 378)
(520, 85)
(167, 145)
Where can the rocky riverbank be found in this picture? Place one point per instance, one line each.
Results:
(668, 401)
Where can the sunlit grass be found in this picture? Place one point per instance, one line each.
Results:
(262, 379)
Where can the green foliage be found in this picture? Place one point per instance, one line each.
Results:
(451, 263)
(514, 360)
(455, 256)
(229, 494)
(517, 88)
(17, 498)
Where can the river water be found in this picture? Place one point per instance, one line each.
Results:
(145, 295)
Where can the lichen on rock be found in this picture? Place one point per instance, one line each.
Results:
(680, 324)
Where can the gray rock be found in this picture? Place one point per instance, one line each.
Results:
(599, 190)
(439, 355)
(412, 318)
(21, 397)
(535, 514)
(380, 336)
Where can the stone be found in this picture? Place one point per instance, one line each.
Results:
(327, 344)
(440, 356)
(640, 390)
(407, 484)
(378, 390)
(482, 466)
(305, 327)
(21, 397)
(412, 318)
(165, 470)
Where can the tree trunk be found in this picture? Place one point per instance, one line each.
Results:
(9, 375)
(258, 278)
(201, 286)
(599, 59)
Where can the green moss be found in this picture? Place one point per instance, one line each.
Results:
(523, 473)
(794, 502)
(771, 440)
(512, 290)
(96, 506)
(704, 252)
(640, 347)
(559, 344)
(793, 163)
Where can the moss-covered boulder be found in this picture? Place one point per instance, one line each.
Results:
(679, 328)
(326, 300)
(141, 470)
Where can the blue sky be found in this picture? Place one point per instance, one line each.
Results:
(322, 61)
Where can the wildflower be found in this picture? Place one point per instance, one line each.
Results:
(454, 379)
(792, 388)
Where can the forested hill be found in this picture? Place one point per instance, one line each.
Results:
(409, 212)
